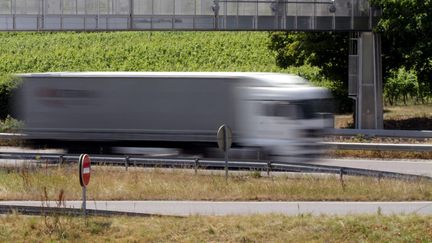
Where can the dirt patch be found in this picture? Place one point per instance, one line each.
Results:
(415, 123)
(410, 117)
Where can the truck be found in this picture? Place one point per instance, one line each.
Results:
(279, 115)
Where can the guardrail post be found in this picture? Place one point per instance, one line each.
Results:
(196, 166)
(46, 166)
(126, 163)
(61, 160)
(341, 172)
(269, 168)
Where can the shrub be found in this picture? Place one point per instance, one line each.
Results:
(7, 84)
(10, 124)
(400, 86)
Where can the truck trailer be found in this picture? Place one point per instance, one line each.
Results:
(281, 115)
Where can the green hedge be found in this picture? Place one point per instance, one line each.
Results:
(135, 51)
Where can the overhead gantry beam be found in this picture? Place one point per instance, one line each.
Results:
(103, 15)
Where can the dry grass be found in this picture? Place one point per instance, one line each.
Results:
(410, 117)
(379, 154)
(256, 228)
(366, 139)
(344, 121)
(157, 184)
(407, 111)
(414, 117)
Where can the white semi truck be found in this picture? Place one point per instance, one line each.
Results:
(280, 115)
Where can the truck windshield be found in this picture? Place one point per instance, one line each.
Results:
(299, 109)
(282, 109)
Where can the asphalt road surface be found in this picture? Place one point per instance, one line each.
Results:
(415, 167)
(187, 208)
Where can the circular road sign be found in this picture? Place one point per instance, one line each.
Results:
(84, 169)
(224, 137)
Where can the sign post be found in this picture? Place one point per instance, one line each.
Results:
(84, 176)
(224, 139)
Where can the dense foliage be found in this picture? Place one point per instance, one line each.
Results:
(327, 51)
(7, 84)
(134, 51)
(406, 28)
(401, 85)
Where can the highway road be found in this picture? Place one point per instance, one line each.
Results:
(187, 208)
(415, 167)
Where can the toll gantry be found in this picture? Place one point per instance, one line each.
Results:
(355, 16)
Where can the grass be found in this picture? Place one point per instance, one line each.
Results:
(161, 184)
(360, 138)
(256, 228)
(343, 121)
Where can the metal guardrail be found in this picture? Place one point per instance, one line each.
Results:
(344, 145)
(197, 163)
(329, 132)
(10, 136)
(379, 133)
(380, 147)
(32, 210)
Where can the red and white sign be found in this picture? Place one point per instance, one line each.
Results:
(84, 169)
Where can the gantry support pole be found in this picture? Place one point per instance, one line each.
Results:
(369, 104)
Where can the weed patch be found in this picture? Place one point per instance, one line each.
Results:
(255, 228)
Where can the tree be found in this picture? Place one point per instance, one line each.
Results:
(406, 28)
(326, 50)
